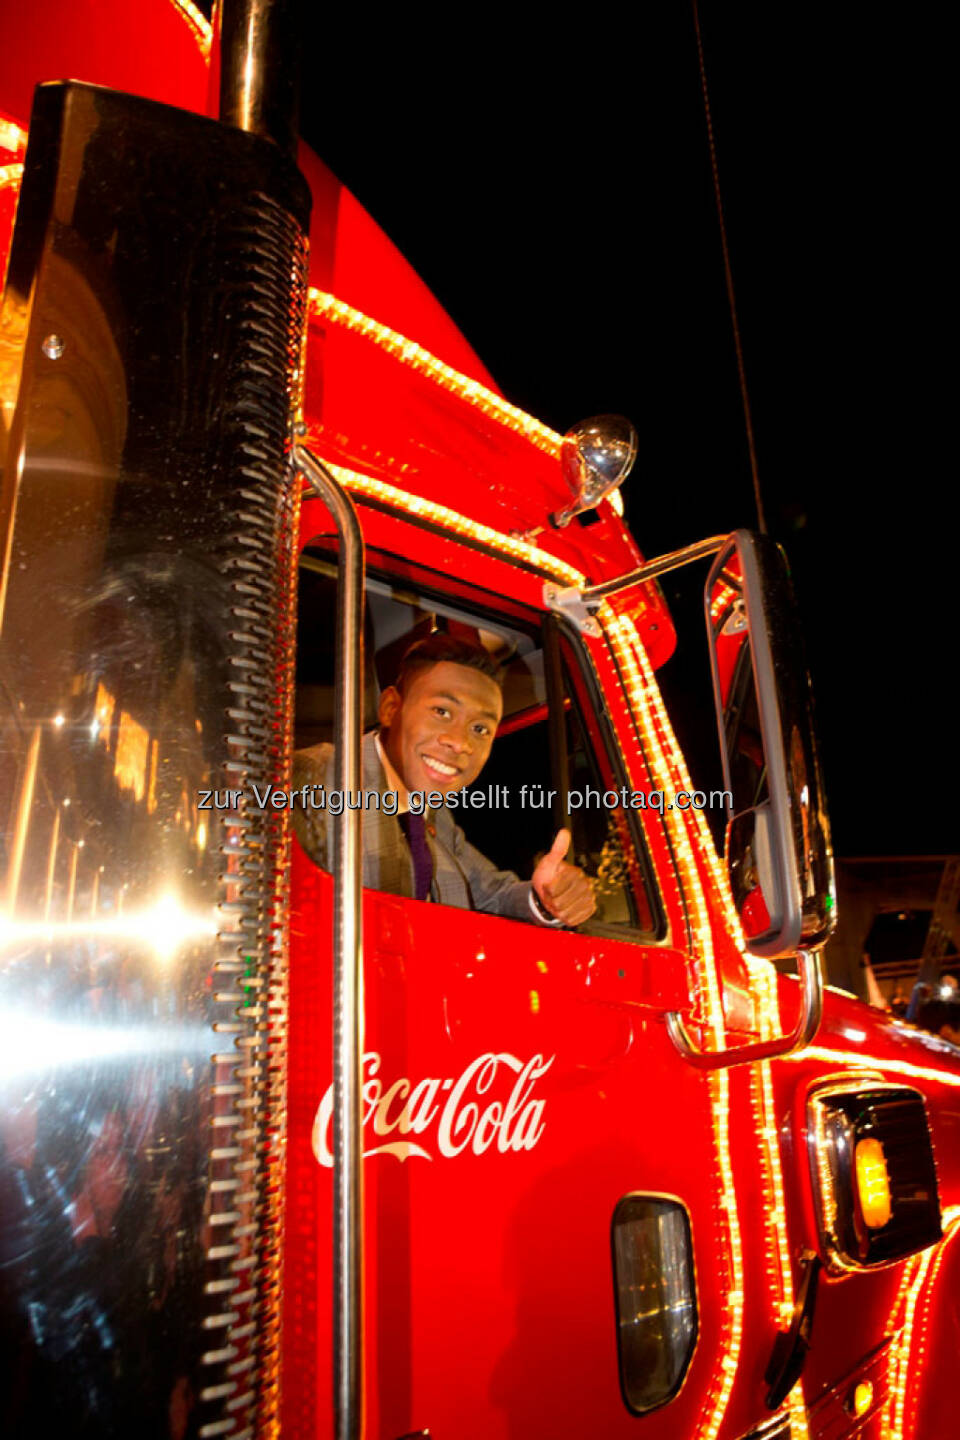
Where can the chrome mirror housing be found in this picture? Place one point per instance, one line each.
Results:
(778, 849)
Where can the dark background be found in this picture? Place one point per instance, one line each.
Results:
(553, 188)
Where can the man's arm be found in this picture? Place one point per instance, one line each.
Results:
(559, 894)
(492, 891)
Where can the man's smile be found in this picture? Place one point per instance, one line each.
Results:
(439, 767)
(439, 733)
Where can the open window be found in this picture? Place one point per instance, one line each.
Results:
(552, 761)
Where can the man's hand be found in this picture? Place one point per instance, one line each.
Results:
(562, 889)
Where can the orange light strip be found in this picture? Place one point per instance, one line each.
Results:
(198, 24)
(647, 707)
(904, 1377)
(897, 1067)
(951, 1227)
(723, 594)
(12, 137)
(772, 1268)
(13, 142)
(764, 983)
(911, 1266)
(799, 1429)
(764, 989)
(325, 306)
(457, 524)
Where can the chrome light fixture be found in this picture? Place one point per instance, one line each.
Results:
(874, 1174)
(596, 457)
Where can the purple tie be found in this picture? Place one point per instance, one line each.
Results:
(416, 834)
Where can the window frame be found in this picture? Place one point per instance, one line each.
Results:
(560, 626)
(546, 628)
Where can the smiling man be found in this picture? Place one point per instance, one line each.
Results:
(437, 726)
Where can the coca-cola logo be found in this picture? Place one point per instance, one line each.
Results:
(450, 1115)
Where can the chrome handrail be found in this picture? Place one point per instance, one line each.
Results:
(650, 569)
(802, 1034)
(347, 958)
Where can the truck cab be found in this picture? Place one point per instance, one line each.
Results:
(284, 1155)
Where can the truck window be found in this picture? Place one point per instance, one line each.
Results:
(527, 789)
(604, 840)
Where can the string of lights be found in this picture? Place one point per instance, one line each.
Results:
(775, 1211)
(905, 1365)
(643, 697)
(326, 307)
(878, 1062)
(459, 525)
(764, 990)
(198, 24)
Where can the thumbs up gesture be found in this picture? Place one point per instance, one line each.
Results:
(562, 889)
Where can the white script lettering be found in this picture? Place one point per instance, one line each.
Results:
(469, 1116)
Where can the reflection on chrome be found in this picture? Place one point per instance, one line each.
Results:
(163, 927)
(31, 1045)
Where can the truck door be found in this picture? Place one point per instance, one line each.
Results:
(552, 1232)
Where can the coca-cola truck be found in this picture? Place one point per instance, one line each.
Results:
(281, 1155)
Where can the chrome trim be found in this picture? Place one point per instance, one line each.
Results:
(596, 457)
(347, 958)
(146, 665)
(568, 601)
(261, 44)
(802, 1034)
(833, 1179)
(650, 569)
(778, 1428)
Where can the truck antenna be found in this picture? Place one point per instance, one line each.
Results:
(728, 275)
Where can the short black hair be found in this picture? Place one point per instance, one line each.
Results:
(440, 647)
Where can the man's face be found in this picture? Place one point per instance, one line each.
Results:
(439, 733)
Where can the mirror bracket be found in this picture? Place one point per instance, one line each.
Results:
(569, 601)
(802, 1034)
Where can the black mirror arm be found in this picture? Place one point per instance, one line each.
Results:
(802, 1034)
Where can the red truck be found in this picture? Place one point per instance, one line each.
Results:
(280, 1155)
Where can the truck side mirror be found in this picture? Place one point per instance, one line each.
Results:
(777, 847)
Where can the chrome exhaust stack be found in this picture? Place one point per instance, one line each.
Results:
(158, 281)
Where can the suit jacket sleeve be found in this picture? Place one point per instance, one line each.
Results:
(311, 826)
(497, 892)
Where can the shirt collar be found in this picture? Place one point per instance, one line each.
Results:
(393, 779)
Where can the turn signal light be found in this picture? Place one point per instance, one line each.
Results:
(861, 1399)
(873, 1183)
(875, 1175)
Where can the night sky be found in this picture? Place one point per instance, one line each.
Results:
(553, 188)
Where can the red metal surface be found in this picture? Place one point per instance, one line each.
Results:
(145, 49)
(856, 1314)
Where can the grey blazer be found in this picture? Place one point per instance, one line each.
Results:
(461, 875)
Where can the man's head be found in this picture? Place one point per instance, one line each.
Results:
(439, 719)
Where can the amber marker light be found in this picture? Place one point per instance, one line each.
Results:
(861, 1399)
(873, 1183)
